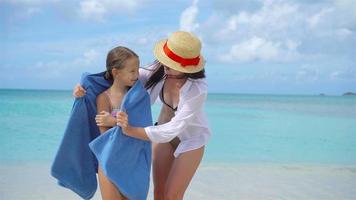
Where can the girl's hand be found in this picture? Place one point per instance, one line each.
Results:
(78, 91)
(105, 119)
(122, 120)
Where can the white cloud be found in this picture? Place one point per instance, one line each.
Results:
(272, 17)
(307, 74)
(95, 10)
(261, 49)
(98, 10)
(188, 18)
(343, 33)
(315, 19)
(28, 2)
(142, 41)
(254, 49)
(257, 35)
(292, 45)
(346, 8)
(27, 8)
(345, 75)
(287, 31)
(32, 11)
(90, 56)
(92, 9)
(88, 61)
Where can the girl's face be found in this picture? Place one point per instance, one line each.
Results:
(172, 72)
(128, 75)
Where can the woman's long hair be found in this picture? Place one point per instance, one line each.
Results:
(158, 74)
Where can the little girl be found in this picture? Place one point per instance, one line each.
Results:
(91, 147)
(122, 69)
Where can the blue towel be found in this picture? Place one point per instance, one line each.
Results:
(75, 166)
(126, 161)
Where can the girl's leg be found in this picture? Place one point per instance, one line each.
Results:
(107, 188)
(182, 172)
(162, 159)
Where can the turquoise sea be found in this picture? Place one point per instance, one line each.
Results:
(246, 128)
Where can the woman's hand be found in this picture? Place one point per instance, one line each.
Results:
(122, 120)
(78, 91)
(105, 119)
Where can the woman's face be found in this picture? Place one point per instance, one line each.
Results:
(172, 72)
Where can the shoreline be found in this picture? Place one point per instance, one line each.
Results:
(212, 181)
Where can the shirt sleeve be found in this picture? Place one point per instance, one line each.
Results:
(166, 132)
(143, 75)
(145, 72)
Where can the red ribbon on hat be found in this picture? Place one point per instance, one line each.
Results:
(183, 61)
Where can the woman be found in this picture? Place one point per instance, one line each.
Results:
(181, 133)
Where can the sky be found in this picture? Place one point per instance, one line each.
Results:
(254, 47)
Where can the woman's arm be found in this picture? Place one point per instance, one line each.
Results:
(136, 132)
(144, 74)
(78, 91)
(146, 71)
(165, 132)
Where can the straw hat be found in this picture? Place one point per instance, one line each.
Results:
(181, 52)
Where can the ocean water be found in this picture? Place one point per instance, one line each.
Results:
(246, 128)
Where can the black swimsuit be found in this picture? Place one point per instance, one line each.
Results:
(175, 141)
(162, 99)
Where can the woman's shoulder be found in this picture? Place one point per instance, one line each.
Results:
(196, 88)
(199, 85)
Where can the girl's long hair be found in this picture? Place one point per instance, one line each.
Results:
(116, 59)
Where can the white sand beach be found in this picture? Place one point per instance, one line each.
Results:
(213, 181)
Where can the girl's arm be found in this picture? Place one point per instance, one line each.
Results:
(102, 104)
(104, 118)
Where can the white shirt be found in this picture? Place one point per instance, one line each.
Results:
(189, 124)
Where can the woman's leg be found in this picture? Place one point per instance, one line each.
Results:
(182, 172)
(162, 159)
(107, 188)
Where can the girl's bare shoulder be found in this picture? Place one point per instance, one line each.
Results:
(103, 99)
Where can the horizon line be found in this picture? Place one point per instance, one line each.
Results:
(219, 93)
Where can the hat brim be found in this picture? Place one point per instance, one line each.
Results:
(164, 59)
